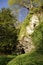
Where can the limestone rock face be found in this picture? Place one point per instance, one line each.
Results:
(33, 23)
(26, 41)
(27, 44)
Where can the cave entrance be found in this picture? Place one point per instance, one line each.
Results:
(22, 51)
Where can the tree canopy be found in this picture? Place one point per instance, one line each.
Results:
(26, 2)
(8, 31)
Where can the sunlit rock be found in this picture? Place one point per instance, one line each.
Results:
(26, 40)
(34, 21)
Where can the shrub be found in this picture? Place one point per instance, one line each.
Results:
(37, 37)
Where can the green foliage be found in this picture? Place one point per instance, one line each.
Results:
(27, 3)
(8, 37)
(8, 31)
(33, 58)
(5, 59)
(14, 2)
(37, 37)
(6, 16)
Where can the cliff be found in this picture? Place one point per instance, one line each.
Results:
(27, 28)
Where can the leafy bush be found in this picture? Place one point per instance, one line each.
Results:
(8, 38)
(8, 32)
(37, 37)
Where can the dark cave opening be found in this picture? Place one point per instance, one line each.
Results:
(22, 51)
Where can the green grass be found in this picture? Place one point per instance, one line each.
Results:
(4, 59)
(33, 58)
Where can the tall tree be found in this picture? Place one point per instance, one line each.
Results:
(8, 31)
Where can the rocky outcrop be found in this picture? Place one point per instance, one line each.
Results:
(27, 44)
(33, 23)
(26, 41)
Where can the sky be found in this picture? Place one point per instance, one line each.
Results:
(22, 13)
(3, 4)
